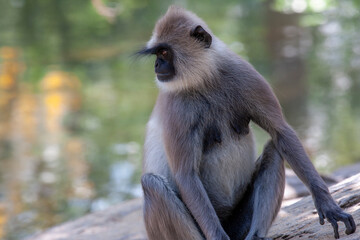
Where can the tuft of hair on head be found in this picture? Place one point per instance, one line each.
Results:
(175, 24)
(194, 46)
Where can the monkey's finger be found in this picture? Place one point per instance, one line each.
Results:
(350, 224)
(336, 228)
(348, 220)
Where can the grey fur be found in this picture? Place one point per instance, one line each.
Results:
(163, 221)
(201, 177)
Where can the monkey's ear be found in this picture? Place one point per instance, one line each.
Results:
(201, 35)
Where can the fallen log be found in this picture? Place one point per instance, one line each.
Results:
(298, 221)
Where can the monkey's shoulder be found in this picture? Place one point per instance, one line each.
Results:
(207, 115)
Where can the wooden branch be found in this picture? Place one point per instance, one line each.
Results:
(298, 221)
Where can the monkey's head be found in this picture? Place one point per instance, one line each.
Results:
(185, 50)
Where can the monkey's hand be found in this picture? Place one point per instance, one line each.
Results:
(333, 213)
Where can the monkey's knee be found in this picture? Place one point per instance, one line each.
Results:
(153, 184)
(270, 158)
(157, 192)
(269, 146)
(270, 167)
(155, 204)
(165, 215)
(271, 151)
(149, 180)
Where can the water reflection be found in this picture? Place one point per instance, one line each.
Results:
(43, 158)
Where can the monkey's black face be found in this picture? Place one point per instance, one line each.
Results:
(164, 63)
(164, 66)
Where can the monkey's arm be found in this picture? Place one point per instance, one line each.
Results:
(184, 152)
(266, 112)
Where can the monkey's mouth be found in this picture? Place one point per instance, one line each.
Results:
(163, 77)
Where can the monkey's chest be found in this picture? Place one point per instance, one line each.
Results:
(227, 167)
(234, 127)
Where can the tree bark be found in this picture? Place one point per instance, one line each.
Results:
(296, 221)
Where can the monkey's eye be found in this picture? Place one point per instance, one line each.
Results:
(164, 53)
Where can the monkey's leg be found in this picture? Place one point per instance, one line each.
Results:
(166, 217)
(268, 192)
(254, 214)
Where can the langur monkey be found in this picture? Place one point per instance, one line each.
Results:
(201, 178)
